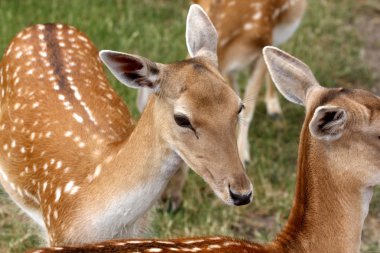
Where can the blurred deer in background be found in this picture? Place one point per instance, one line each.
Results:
(338, 166)
(244, 29)
(71, 156)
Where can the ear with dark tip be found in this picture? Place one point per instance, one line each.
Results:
(328, 123)
(292, 77)
(201, 35)
(131, 70)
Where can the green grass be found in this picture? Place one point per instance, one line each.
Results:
(155, 29)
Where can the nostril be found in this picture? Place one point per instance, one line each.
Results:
(240, 199)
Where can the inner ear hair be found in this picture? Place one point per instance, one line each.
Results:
(328, 123)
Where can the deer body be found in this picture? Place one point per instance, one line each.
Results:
(338, 166)
(72, 157)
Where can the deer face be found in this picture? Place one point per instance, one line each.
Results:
(201, 115)
(195, 108)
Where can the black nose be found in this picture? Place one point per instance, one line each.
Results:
(239, 199)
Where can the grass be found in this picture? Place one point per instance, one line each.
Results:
(155, 29)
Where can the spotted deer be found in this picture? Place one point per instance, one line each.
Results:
(244, 28)
(74, 160)
(338, 166)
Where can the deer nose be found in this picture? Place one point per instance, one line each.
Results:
(240, 199)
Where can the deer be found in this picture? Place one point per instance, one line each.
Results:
(74, 160)
(244, 28)
(338, 167)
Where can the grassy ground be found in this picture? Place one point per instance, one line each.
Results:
(326, 41)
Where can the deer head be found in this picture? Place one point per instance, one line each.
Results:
(194, 106)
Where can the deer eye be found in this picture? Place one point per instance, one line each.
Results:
(183, 121)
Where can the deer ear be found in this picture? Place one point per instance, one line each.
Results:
(328, 122)
(131, 70)
(292, 77)
(201, 36)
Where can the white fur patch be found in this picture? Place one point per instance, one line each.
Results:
(123, 212)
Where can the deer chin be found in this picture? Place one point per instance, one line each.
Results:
(222, 189)
(224, 195)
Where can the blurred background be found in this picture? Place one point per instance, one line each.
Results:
(338, 39)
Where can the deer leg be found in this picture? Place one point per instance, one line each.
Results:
(172, 195)
(250, 97)
(271, 99)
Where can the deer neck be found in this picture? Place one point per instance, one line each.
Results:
(146, 152)
(136, 174)
(145, 156)
(328, 212)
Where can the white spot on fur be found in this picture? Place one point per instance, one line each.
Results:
(214, 246)
(154, 250)
(26, 36)
(193, 241)
(59, 164)
(35, 105)
(166, 242)
(30, 72)
(98, 169)
(89, 113)
(18, 55)
(257, 16)
(69, 186)
(68, 133)
(43, 54)
(57, 194)
(248, 26)
(74, 190)
(227, 244)
(44, 186)
(78, 118)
